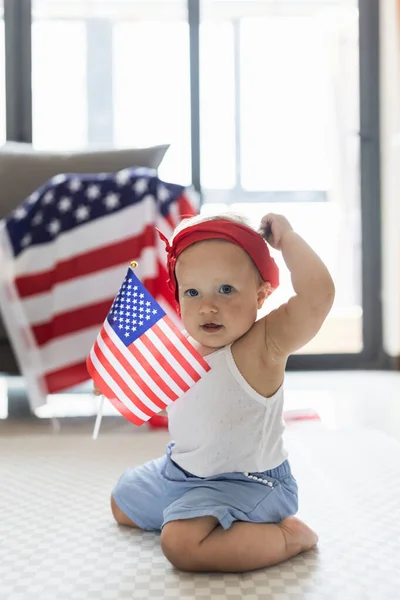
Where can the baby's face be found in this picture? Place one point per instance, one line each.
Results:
(219, 292)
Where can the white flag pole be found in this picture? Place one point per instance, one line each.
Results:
(98, 418)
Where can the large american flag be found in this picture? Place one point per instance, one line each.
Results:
(141, 361)
(63, 254)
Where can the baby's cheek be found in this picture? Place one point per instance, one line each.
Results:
(236, 305)
(243, 311)
(186, 313)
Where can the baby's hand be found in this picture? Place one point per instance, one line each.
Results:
(96, 390)
(273, 227)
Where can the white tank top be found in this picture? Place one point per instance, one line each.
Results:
(222, 425)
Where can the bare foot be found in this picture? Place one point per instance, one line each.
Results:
(298, 536)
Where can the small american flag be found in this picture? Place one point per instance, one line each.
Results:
(140, 360)
(64, 249)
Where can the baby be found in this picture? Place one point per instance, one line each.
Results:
(223, 495)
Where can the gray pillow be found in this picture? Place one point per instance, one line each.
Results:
(23, 169)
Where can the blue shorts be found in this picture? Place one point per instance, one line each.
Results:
(160, 491)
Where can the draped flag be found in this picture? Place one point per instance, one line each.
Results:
(140, 360)
(63, 253)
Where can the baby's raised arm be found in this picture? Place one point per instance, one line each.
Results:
(297, 321)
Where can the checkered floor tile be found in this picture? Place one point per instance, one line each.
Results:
(58, 539)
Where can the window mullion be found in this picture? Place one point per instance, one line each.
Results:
(99, 82)
(238, 109)
(194, 43)
(18, 53)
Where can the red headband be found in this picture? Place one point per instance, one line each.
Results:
(222, 229)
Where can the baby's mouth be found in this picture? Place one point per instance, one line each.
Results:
(211, 327)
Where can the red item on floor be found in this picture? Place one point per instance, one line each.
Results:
(302, 414)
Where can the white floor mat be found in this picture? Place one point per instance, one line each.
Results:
(58, 539)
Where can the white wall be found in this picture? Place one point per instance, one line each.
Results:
(390, 173)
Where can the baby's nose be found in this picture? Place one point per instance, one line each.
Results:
(208, 305)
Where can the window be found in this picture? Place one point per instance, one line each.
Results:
(285, 128)
(59, 90)
(218, 122)
(151, 94)
(279, 120)
(117, 75)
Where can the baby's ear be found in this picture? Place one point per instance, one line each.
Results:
(263, 292)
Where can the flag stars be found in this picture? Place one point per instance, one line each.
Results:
(48, 197)
(82, 213)
(26, 240)
(141, 185)
(37, 219)
(65, 204)
(136, 315)
(54, 227)
(112, 201)
(122, 177)
(20, 213)
(33, 197)
(75, 184)
(59, 179)
(93, 192)
(162, 193)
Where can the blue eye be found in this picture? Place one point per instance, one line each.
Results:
(192, 293)
(226, 289)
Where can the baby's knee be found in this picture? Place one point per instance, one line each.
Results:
(119, 515)
(178, 547)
